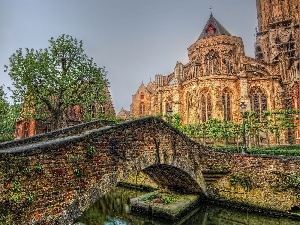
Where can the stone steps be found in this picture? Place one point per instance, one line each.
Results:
(211, 176)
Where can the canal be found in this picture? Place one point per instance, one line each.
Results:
(114, 209)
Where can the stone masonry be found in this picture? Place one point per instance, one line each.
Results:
(54, 180)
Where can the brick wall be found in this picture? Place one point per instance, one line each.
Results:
(55, 180)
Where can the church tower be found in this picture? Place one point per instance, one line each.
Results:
(278, 31)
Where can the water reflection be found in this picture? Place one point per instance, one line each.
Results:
(113, 209)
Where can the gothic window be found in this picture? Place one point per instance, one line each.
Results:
(210, 30)
(142, 109)
(226, 105)
(169, 105)
(71, 114)
(18, 132)
(189, 107)
(212, 62)
(295, 96)
(102, 109)
(205, 107)
(296, 105)
(258, 102)
(47, 127)
(93, 111)
(142, 96)
(26, 129)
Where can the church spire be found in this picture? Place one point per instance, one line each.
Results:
(213, 28)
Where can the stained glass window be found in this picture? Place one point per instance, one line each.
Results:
(296, 105)
(205, 107)
(189, 106)
(142, 109)
(226, 105)
(258, 101)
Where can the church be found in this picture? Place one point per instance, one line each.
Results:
(219, 77)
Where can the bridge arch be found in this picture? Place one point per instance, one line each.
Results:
(75, 169)
(53, 178)
(174, 178)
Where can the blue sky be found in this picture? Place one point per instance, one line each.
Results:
(133, 39)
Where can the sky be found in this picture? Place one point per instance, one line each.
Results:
(133, 39)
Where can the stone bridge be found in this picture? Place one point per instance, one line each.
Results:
(52, 178)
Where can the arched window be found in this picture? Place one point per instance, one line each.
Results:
(188, 107)
(168, 105)
(296, 105)
(102, 109)
(142, 109)
(258, 101)
(226, 105)
(205, 107)
(142, 95)
(26, 129)
(212, 63)
(93, 111)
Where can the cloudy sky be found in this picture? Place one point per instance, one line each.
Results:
(133, 39)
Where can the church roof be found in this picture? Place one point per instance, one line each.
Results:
(213, 28)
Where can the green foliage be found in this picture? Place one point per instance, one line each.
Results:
(26, 171)
(174, 120)
(290, 150)
(232, 149)
(51, 79)
(4, 105)
(244, 180)
(90, 152)
(38, 169)
(78, 171)
(16, 186)
(16, 197)
(163, 197)
(215, 129)
(30, 198)
(170, 197)
(8, 116)
(148, 197)
(293, 180)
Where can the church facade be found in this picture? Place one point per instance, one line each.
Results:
(219, 77)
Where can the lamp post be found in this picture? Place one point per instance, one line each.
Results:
(243, 111)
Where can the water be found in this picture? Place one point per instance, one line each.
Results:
(113, 209)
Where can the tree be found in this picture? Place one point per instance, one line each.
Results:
(214, 129)
(4, 109)
(8, 115)
(279, 121)
(49, 80)
(4, 105)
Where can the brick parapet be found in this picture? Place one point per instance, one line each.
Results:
(56, 134)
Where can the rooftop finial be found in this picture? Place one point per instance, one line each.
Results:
(210, 9)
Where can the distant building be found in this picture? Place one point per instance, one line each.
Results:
(219, 76)
(73, 115)
(124, 114)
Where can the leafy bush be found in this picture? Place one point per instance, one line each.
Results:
(288, 150)
(149, 197)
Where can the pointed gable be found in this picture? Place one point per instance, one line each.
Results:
(213, 28)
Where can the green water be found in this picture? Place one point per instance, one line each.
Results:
(113, 209)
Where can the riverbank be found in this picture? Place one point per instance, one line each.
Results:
(114, 207)
(168, 211)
